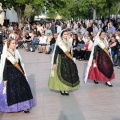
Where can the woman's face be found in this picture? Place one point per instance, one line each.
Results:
(94, 34)
(64, 36)
(112, 39)
(103, 35)
(86, 33)
(12, 45)
(88, 38)
(79, 38)
(110, 34)
(116, 34)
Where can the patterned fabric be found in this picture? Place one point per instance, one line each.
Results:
(15, 107)
(104, 63)
(18, 89)
(96, 74)
(56, 84)
(67, 71)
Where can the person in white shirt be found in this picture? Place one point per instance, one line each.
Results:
(39, 28)
(58, 27)
(12, 35)
(42, 43)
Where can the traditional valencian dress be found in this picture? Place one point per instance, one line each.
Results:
(103, 71)
(18, 94)
(65, 76)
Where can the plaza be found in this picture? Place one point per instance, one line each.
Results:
(89, 102)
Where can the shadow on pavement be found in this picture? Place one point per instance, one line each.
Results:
(62, 116)
(1, 114)
(32, 83)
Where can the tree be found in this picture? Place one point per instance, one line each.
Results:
(20, 6)
(32, 6)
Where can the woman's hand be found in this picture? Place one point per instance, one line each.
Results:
(94, 64)
(5, 83)
(4, 88)
(54, 66)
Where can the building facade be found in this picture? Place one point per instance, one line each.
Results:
(11, 15)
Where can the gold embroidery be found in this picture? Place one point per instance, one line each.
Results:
(18, 67)
(69, 55)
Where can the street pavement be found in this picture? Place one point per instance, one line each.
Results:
(90, 102)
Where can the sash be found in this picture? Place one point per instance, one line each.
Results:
(62, 45)
(14, 61)
(102, 45)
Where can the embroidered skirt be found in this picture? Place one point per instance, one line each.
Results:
(18, 95)
(65, 76)
(104, 70)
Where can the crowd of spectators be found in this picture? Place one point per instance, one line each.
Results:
(41, 36)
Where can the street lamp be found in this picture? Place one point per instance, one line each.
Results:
(5, 10)
(109, 5)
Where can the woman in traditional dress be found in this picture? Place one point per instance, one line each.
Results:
(100, 66)
(64, 74)
(15, 92)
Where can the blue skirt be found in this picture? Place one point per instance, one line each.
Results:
(15, 107)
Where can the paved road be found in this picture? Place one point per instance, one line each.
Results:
(90, 102)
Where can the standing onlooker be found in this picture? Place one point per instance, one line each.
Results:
(90, 29)
(58, 27)
(95, 29)
(52, 43)
(113, 46)
(82, 30)
(48, 31)
(111, 28)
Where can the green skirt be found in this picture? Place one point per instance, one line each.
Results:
(57, 81)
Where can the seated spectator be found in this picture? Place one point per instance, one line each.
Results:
(49, 37)
(52, 43)
(42, 43)
(74, 44)
(88, 47)
(34, 42)
(77, 49)
(26, 39)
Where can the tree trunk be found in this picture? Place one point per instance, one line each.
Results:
(20, 13)
(30, 14)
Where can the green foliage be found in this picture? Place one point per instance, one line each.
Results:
(66, 8)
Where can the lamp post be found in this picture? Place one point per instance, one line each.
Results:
(109, 5)
(5, 10)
